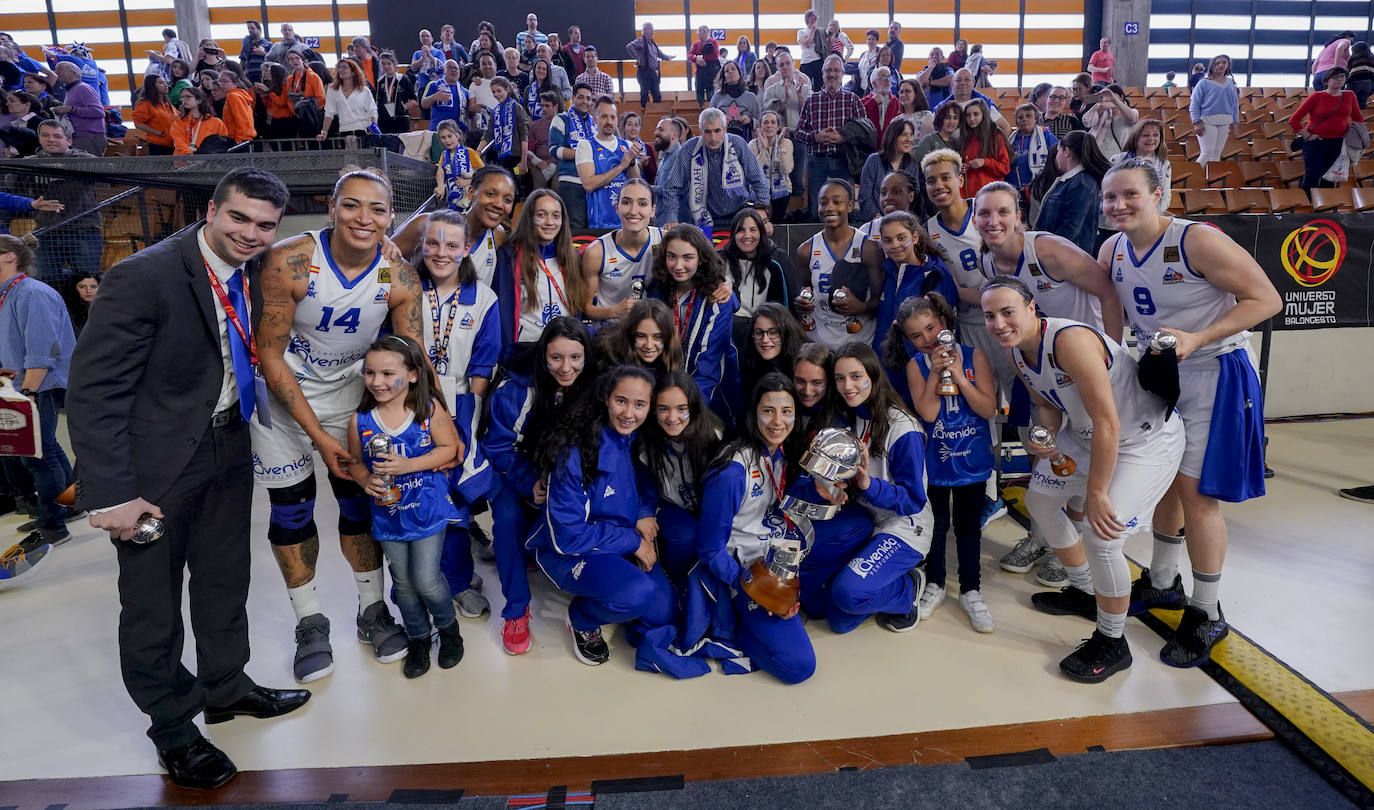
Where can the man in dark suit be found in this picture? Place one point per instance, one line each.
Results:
(161, 389)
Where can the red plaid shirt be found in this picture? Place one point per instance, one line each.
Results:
(826, 110)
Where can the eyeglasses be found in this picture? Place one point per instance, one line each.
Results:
(1059, 96)
(767, 334)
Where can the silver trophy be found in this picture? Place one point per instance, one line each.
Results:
(637, 288)
(1163, 342)
(376, 446)
(1041, 437)
(851, 323)
(947, 388)
(807, 321)
(148, 529)
(834, 456)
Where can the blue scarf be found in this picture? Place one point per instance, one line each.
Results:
(582, 127)
(504, 126)
(532, 101)
(457, 163)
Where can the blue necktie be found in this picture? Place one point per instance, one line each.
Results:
(238, 350)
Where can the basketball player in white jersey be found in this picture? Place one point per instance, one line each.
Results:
(612, 263)
(832, 260)
(1194, 282)
(325, 295)
(1086, 392)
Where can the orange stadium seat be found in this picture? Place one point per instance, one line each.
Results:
(1203, 201)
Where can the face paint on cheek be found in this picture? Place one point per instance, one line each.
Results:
(686, 417)
(398, 384)
(789, 420)
(864, 384)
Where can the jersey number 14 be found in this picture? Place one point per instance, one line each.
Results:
(348, 320)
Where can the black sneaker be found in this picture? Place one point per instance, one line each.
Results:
(904, 622)
(1097, 658)
(35, 540)
(1361, 494)
(1146, 597)
(1196, 636)
(1066, 602)
(450, 646)
(26, 504)
(590, 648)
(481, 543)
(417, 657)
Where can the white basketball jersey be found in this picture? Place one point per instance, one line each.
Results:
(483, 254)
(830, 325)
(1056, 299)
(337, 319)
(619, 269)
(960, 252)
(1139, 412)
(1160, 288)
(457, 327)
(552, 289)
(869, 230)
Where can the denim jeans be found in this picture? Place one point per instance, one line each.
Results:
(53, 471)
(421, 590)
(819, 168)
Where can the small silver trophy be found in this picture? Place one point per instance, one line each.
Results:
(1163, 342)
(377, 445)
(1041, 437)
(851, 323)
(637, 288)
(147, 530)
(947, 388)
(807, 296)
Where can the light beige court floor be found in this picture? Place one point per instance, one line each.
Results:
(1297, 581)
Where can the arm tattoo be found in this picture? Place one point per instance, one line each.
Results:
(406, 316)
(299, 265)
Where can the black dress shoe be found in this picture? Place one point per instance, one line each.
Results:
(261, 703)
(197, 765)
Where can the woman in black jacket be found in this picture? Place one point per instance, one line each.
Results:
(759, 271)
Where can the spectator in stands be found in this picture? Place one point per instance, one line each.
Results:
(963, 93)
(838, 40)
(786, 91)
(560, 57)
(1071, 206)
(958, 55)
(485, 27)
(714, 176)
(480, 89)
(813, 48)
(894, 44)
(1321, 121)
(83, 109)
(600, 82)
(529, 40)
(238, 107)
(287, 44)
(823, 116)
(449, 47)
(514, 71)
(632, 129)
(396, 98)
(913, 107)
(39, 86)
(181, 78)
(1169, 82)
(559, 74)
(301, 81)
(744, 55)
(210, 57)
(894, 155)
(1110, 121)
(868, 59)
(1030, 147)
(1361, 67)
(540, 81)
(604, 163)
(1195, 75)
(980, 66)
(350, 101)
(253, 50)
(647, 55)
(91, 72)
(76, 245)
(172, 49)
(759, 75)
(360, 49)
(947, 120)
(1102, 64)
(1059, 120)
(773, 150)
(1336, 53)
(705, 58)
(541, 165)
(427, 63)
(456, 166)
(985, 149)
(565, 133)
(508, 130)
(1039, 98)
(936, 78)
(445, 98)
(1146, 142)
(880, 105)
(1214, 108)
(740, 106)
(668, 137)
(28, 114)
(85, 285)
(208, 83)
(574, 50)
(1081, 87)
(197, 122)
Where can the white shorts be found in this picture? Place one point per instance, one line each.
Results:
(1138, 484)
(283, 454)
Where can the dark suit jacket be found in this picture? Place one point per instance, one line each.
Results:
(146, 374)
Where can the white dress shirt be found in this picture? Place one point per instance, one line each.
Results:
(228, 390)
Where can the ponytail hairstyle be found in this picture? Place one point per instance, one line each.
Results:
(700, 439)
(895, 354)
(882, 397)
(420, 398)
(615, 344)
(467, 271)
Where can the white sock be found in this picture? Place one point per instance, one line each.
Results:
(1080, 577)
(1206, 592)
(303, 600)
(1164, 559)
(991, 492)
(1111, 625)
(369, 588)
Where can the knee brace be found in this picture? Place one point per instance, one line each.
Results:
(1111, 575)
(292, 518)
(355, 507)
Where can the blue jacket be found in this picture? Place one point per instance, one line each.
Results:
(601, 520)
(1070, 209)
(15, 203)
(510, 406)
(708, 349)
(932, 276)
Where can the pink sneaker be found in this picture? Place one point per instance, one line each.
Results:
(515, 635)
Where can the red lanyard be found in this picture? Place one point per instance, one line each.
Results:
(687, 319)
(230, 314)
(778, 484)
(553, 283)
(6, 293)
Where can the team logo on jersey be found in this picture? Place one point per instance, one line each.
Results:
(1042, 285)
(1171, 254)
(384, 274)
(863, 566)
(310, 289)
(756, 480)
(1172, 276)
(383, 295)
(468, 322)
(1061, 379)
(609, 491)
(577, 569)
(1034, 269)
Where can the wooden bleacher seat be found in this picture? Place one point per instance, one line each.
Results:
(1234, 147)
(21, 226)
(1289, 200)
(1290, 171)
(1224, 174)
(1187, 174)
(1332, 199)
(1262, 148)
(1258, 173)
(1191, 149)
(1362, 197)
(1363, 172)
(1203, 201)
(1246, 201)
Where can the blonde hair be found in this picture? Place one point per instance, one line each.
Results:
(942, 156)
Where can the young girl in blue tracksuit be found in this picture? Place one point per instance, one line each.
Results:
(882, 578)
(462, 335)
(676, 446)
(411, 512)
(687, 273)
(912, 266)
(597, 537)
(522, 409)
(959, 444)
